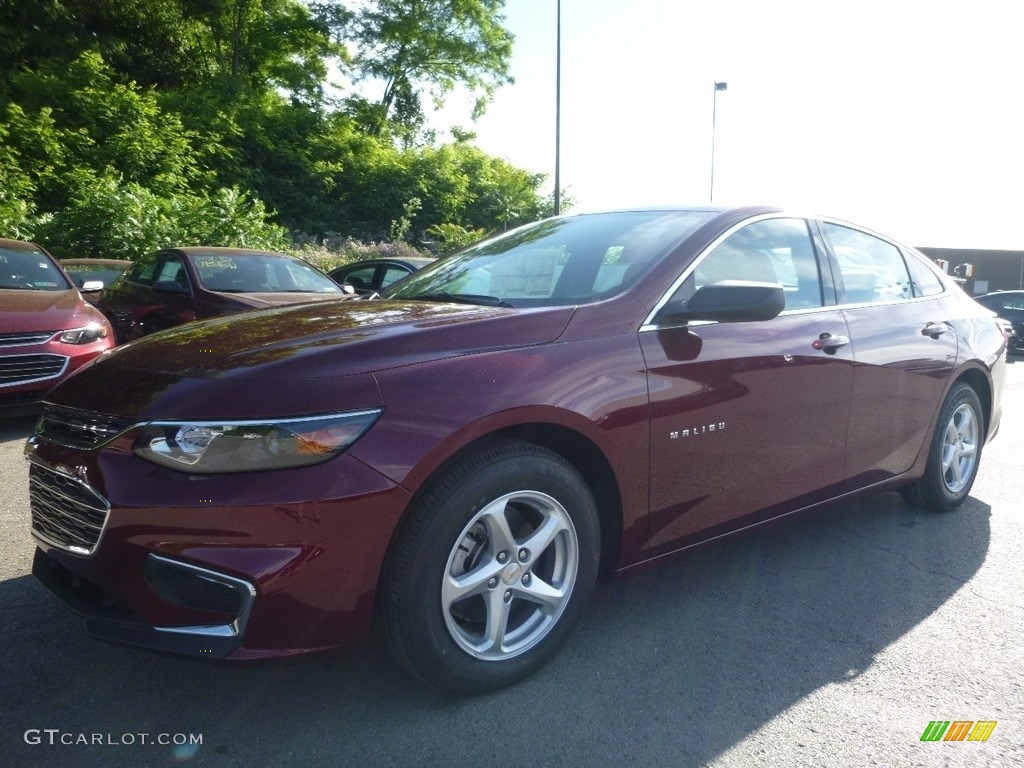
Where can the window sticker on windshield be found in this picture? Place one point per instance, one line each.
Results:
(44, 284)
(525, 275)
(43, 265)
(216, 262)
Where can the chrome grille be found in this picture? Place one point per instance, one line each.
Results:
(24, 369)
(20, 339)
(66, 512)
(79, 429)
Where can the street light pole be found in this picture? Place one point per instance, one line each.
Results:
(558, 108)
(714, 109)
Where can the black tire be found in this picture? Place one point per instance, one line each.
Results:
(954, 455)
(465, 562)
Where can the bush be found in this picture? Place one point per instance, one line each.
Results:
(108, 218)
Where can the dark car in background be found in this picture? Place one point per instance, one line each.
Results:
(460, 459)
(371, 275)
(178, 285)
(1008, 305)
(91, 276)
(47, 330)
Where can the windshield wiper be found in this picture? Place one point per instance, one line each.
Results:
(20, 287)
(464, 298)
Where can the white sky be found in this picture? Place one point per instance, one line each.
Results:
(902, 115)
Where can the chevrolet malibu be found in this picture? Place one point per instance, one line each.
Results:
(47, 330)
(458, 461)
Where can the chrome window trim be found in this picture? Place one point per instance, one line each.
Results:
(905, 251)
(57, 375)
(234, 629)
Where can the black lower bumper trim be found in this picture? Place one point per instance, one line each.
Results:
(105, 620)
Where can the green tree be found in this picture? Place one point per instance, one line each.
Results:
(417, 47)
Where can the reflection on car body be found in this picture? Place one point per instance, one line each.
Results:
(460, 459)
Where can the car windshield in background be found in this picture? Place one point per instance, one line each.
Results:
(29, 270)
(259, 273)
(574, 260)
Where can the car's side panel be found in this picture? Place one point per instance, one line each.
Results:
(595, 388)
(903, 368)
(744, 416)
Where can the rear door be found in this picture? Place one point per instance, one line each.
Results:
(748, 419)
(904, 347)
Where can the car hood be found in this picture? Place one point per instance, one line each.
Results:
(27, 311)
(223, 367)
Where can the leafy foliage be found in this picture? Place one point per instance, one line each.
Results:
(126, 125)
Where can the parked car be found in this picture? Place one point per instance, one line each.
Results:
(178, 285)
(91, 276)
(461, 466)
(1009, 306)
(371, 275)
(47, 330)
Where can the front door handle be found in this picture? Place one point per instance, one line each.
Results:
(934, 330)
(826, 342)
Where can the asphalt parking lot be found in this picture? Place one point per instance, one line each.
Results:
(832, 639)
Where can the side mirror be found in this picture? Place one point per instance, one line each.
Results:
(92, 285)
(730, 301)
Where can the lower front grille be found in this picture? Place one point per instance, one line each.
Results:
(66, 512)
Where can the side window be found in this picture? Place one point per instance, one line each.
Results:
(393, 274)
(924, 281)
(771, 251)
(144, 270)
(172, 271)
(362, 278)
(871, 270)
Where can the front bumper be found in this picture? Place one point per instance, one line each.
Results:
(107, 620)
(236, 567)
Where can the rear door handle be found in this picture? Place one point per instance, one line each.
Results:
(934, 330)
(826, 342)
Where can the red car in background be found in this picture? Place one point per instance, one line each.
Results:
(461, 458)
(47, 330)
(178, 285)
(91, 276)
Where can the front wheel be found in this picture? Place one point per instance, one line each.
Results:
(492, 570)
(954, 455)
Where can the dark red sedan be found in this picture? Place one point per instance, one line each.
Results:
(177, 285)
(461, 459)
(47, 330)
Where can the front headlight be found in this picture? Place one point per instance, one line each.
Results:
(86, 335)
(251, 446)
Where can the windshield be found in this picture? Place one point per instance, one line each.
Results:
(83, 273)
(260, 273)
(30, 270)
(573, 260)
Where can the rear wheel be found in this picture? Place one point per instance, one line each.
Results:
(954, 455)
(492, 570)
